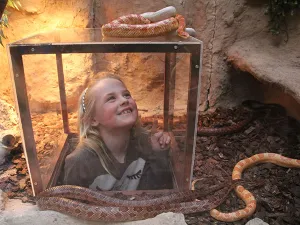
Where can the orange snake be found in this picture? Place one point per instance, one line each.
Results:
(146, 24)
(244, 194)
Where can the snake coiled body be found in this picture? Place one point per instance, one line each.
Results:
(98, 207)
(210, 131)
(253, 107)
(243, 193)
(146, 25)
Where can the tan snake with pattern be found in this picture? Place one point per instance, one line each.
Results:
(99, 207)
(147, 24)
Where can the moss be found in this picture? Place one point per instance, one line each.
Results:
(4, 19)
(278, 11)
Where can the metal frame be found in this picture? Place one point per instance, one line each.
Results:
(17, 50)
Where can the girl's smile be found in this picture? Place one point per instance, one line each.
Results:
(125, 111)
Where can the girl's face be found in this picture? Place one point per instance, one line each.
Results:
(114, 106)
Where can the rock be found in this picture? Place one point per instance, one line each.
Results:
(22, 183)
(18, 213)
(9, 131)
(8, 173)
(14, 180)
(3, 200)
(249, 130)
(24, 199)
(256, 221)
(8, 139)
(31, 10)
(259, 58)
(3, 154)
(23, 171)
(229, 21)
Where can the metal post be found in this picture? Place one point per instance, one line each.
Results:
(169, 90)
(22, 105)
(192, 115)
(62, 93)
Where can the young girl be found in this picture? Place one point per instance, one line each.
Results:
(114, 152)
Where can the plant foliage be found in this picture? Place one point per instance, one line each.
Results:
(4, 20)
(279, 10)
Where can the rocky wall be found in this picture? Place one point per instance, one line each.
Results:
(219, 24)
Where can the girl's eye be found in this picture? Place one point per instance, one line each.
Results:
(110, 98)
(127, 95)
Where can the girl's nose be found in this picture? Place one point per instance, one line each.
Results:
(124, 101)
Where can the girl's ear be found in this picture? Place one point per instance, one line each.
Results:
(94, 122)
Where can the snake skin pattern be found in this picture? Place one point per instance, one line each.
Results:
(250, 105)
(98, 207)
(243, 193)
(207, 131)
(135, 25)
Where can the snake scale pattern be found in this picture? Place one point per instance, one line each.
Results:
(146, 24)
(243, 193)
(98, 207)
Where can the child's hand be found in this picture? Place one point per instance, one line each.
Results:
(159, 140)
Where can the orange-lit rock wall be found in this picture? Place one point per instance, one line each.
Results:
(35, 17)
(218, 24)
(143, 73)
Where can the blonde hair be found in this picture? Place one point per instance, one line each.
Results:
(89, 135)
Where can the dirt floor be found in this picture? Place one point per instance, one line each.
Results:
(276, 189)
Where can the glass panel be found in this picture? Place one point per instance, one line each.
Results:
(158, 97)
(179, 81)
(44, 103)
(93, 35)
(144, 76)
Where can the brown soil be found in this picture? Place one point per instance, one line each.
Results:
(275, 188)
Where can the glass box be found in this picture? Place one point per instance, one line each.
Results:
(46, 143)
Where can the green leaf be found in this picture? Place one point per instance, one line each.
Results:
(5, 20)
(1, 42)
(2, 34)
(14, 4)
(18, 3)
